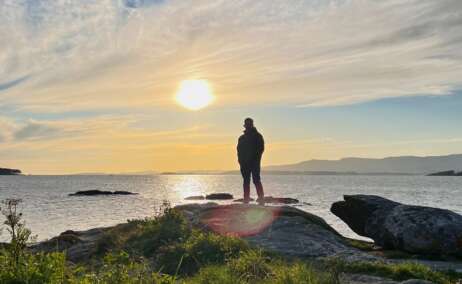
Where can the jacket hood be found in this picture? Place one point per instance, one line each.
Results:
(250, 130)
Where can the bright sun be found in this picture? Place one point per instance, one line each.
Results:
(194, 94)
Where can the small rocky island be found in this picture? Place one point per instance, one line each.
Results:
(97, 192)
(446, 174)
(9, 172)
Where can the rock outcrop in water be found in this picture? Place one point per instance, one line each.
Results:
(219, 196)
(100, 192)
(9, 172)
(195, 197)
(392, 225)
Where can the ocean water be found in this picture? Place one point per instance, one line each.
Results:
(49, 210)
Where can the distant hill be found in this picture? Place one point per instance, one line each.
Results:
(9, 172)
(404, 164)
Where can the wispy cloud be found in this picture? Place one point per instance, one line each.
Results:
(306, 53)
(130, 55)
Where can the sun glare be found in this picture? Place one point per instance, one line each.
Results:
(194, 94)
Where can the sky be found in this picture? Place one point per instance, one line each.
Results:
(89, 86)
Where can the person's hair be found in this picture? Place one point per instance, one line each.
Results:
(248, 120)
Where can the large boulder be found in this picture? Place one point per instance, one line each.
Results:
(392, 225)
(282, 229)
(78, 246)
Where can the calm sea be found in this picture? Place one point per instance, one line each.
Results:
(48, 210)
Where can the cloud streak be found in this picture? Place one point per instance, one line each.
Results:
(85, 62)
(306, 53)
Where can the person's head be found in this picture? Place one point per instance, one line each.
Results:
(248, 123)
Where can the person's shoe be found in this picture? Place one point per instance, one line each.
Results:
(246, 201)
(261, 201)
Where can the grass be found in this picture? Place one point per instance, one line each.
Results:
(254, 266)
(400, 272)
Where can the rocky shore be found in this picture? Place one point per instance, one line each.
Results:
(418, 232)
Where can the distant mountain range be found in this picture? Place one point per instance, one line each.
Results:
(397, 165)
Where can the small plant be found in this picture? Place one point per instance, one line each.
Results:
(16, 227)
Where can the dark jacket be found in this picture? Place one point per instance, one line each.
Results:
(250, 147)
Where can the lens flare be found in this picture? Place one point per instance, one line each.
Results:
(241, 222)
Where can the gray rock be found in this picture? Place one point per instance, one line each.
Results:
(275, 200)
(285, 230)
(417, 281)
(219, 196)
(195, 197)
(78, 246)
(392, 225)
(347, 278)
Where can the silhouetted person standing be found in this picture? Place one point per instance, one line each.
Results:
(249, 152)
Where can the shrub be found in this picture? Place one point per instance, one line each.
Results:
(120, 268)
(199, 250)
(170, 227)
(33, 268)
(19, 234)
(146, 236)
(251, 265)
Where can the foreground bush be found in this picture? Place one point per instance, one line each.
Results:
(33, 268)
(200, 250)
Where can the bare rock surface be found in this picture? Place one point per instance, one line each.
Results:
(285, 230)
(78, 245)
(274, 200)
(347, 278)
(392, 225)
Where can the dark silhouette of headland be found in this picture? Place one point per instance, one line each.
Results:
(9, 172)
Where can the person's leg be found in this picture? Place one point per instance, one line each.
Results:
(257, 181)
(245, 171)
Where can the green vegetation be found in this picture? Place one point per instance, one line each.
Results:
(165, 249)
(400, 271)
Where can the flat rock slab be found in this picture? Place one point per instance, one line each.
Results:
(285, 230)
(100, 192)
(195, 197)
(274, 200)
